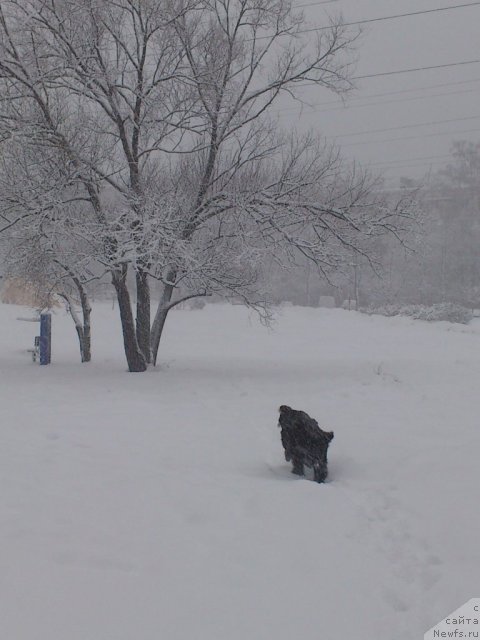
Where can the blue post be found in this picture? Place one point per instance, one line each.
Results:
(45, 338)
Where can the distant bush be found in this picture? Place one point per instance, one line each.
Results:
(447, 311)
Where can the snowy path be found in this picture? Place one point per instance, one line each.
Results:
(138, 507)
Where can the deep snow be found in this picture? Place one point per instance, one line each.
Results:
(159, 505)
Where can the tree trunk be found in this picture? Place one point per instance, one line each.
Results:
(84, 342)
(135, 359)
(160, 317)
(82, 328)
(85, 337)
(143, 315)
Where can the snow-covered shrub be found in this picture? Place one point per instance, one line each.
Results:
(447, 311)
(383, 310)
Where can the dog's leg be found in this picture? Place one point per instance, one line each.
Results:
(297, 466)
(319, 472)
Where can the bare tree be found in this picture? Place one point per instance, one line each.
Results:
(38, 246)
(157, 118)
(298, 202)
(96, 80)
(239, 58)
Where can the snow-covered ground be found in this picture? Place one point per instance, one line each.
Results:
(159, 505)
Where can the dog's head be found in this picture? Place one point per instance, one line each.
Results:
(284, 411)
(288, 418)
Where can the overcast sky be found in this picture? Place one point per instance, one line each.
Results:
(426, 97)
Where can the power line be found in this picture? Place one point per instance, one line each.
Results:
(406, 126)
(345, 108)
(405, 160)
(414, 69)
(399, 101)
(417, 137)
(396, 16)
(381, 18)
(399, 71)
(336, 103)
(313, 4)
(396, 164)
(425, 88)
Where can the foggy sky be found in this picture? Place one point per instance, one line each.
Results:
(416, 41)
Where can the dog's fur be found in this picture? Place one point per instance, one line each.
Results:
(305, 443)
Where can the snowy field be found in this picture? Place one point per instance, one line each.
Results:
(159, 505)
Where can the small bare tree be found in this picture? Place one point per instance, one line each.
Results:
(37, 218)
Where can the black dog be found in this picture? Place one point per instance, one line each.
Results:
(305, 443)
